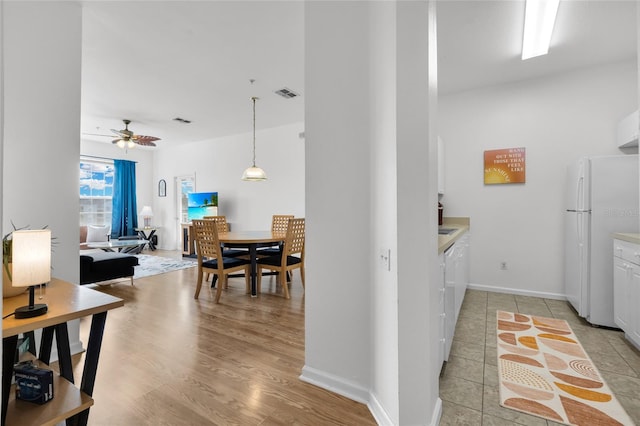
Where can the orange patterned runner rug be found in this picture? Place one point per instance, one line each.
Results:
(544, 370)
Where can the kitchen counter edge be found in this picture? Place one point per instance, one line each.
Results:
(629, 237)
(461, 224)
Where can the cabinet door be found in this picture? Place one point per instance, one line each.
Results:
(621, 289)
(633, 331)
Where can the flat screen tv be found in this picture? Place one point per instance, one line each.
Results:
(200, 204)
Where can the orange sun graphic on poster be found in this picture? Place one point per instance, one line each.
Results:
(504, 166)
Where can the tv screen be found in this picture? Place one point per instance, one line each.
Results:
(201, 204)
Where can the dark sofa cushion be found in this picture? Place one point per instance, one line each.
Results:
(102, 266)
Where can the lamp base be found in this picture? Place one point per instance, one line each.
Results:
(31, 311)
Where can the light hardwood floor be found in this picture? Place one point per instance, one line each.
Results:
(168, 359)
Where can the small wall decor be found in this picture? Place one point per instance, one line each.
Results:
(504, 166)
(162, 188)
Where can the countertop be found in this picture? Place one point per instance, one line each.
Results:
(461, 224)
(625, 236)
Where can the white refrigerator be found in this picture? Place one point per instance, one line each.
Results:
(601, 198)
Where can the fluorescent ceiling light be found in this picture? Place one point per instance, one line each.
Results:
(539, 19)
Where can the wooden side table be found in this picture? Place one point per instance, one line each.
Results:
(66, 302)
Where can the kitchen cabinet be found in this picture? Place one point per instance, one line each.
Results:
(456, 280)
(442, 350)
(626, 288)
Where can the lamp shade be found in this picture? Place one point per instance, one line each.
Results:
(31, 256)
(146, 211)
(254, 174)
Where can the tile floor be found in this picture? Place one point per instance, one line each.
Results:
(469, 381)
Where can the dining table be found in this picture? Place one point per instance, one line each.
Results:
(252, 240)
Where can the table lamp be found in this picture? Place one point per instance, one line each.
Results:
(31, 254)
(147, 213)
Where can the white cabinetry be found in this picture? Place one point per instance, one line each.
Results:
(628, 131)
(456, 279)
(442, 355)
(626, 288)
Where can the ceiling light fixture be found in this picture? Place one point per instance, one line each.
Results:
(254, 173)
(539, 20)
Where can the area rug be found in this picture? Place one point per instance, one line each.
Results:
(544, 370)
(154, 265)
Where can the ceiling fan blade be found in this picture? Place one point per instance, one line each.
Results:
(145, 140)
(97, 134)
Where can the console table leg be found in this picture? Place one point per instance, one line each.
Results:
(9, 346)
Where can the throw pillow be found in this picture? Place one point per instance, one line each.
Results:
(97, 233)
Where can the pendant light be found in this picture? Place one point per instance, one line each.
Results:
(254, 173)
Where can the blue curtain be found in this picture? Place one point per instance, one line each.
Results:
(124, 211)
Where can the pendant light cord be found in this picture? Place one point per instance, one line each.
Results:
(254, 130)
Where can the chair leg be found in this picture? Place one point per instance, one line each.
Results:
(131, 279)
(259, 279)
(283, 280)
(222, 283)
(247, 280)
(302, 274)
(199, 284)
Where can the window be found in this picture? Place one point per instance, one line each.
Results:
(96, 191)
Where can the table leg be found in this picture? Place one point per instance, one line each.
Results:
(253, 255)
(91, 361)
(9, 346)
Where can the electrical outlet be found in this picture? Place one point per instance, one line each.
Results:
(503, 266)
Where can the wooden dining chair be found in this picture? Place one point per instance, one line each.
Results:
(223, 226)
(279, 223)
(292, 256)
(211, 258)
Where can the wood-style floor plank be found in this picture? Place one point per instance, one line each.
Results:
(168, 359)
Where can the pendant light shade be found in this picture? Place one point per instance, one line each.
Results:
(254, 173)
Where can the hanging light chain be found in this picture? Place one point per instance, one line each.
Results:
(254, 130)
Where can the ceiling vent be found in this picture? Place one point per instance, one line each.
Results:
(182, 120)
(286, 93)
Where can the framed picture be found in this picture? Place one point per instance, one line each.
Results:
(504, 166)
(162, 188)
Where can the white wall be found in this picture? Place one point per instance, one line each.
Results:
(557, 119)
(218, 165)
(41, 147)
(370, 333)
(42, 49)
(146, 187)
(383, 187)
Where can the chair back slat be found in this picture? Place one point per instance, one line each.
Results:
(294, 243)
(206, 238)
(221, 221)
(279, 223)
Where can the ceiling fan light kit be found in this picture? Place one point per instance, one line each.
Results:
(254, 173)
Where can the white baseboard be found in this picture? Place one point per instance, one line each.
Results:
(335, 384)
(437, 413)
(378, 412)
(517, 291)
(358, 393)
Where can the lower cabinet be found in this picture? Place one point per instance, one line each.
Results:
(456, 280)
(626, 288)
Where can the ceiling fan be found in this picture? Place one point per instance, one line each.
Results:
(126, 138)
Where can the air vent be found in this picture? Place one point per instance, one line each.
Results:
(182, 120)
(286, 93)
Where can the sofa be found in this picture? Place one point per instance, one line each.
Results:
(105, 265)
(97, 265)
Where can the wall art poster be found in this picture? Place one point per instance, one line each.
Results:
(504, 166)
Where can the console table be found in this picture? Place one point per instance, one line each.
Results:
(66, 302)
